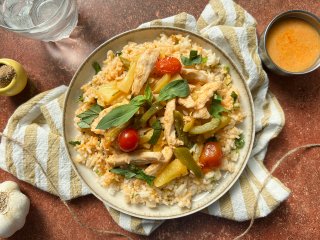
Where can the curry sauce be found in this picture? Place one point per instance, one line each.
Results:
(293, 44)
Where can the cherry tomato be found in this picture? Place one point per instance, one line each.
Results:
(211, 156)
(169, 65)
(128, 139)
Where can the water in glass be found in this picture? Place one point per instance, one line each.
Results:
(47, 20)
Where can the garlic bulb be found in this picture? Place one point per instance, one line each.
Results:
(14, 207)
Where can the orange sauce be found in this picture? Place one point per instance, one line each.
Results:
(293, 44)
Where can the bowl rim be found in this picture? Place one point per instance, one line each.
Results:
(275, 20)
(252, 124)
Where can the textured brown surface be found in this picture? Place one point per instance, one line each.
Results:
(297, 218)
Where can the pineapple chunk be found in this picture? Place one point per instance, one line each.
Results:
(126, 83)
(177, 76)
(172, 171)
(164, 80)
(108, 92)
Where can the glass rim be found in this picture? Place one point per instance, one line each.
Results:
(37, 26)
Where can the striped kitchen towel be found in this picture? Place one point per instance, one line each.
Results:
(37, 124)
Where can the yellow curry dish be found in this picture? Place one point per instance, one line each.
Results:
(159, 122)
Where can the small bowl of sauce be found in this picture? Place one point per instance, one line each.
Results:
(290, 45)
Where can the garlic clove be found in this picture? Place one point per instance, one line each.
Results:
(14, 207)
(9, 186)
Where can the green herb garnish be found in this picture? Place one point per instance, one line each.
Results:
(121, 114)
(157, 128)
(226, 68)
(239, 142)
(87, 117)
(216, 109)
(74, 143)
(133, 172)
(80, 98)
(234, 96)
(96, 67)
(124, 113)
(193, 59)
(118, 53)
(148, 94)
(177, 88)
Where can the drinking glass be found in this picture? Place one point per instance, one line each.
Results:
(46, 20)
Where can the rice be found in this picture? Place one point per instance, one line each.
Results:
(95, 147)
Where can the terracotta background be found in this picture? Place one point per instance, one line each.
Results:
(297, 218)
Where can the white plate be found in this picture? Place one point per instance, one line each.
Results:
(85, 74)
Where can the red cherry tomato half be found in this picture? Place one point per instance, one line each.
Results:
(211, 156)
(169, 65)
(128, 139)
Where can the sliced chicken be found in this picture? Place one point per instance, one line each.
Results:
(168, 124)
(154, 168)
(136, 158)
(194, 74)
(192, 87)
(187, 102)
(143, 69)
(103, 113)
(206, 92)
(202, 113)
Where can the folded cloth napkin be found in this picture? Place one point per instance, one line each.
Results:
(38, 125)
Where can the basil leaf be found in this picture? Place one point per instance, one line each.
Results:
(94, 110)
(148, 94)
(121, 114)
(216, 108)
(124, 172)
(138, 100)
(133, 172)
(157, 128)
(87, 117)
(74, 143)
(239, 142)
(177, 88)
(118, 116)
(193, 59)
(234, 96)
(96, 67)
(141, 175)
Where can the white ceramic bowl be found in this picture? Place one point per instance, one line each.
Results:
(85, 73)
